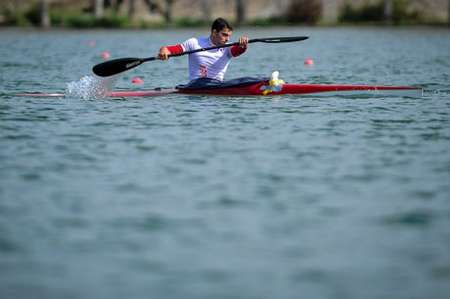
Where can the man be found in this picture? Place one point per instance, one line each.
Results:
(210, 64)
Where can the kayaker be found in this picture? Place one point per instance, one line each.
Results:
(210, 64)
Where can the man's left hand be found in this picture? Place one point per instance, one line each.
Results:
(243, 41)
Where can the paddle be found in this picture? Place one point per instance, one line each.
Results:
(116, 66)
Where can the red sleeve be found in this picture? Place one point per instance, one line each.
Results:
(175, 49)
(237, 50)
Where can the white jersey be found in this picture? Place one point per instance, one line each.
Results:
(206, 64)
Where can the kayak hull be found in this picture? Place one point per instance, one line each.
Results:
(263, 89)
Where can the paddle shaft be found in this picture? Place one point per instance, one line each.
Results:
(193, 51)
(116, 66)
(255, 40)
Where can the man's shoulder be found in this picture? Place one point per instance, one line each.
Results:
(203, 39)
(199, 40)
(196, 42)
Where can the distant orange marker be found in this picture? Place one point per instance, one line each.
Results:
(309, 61)
(137, 80)
(106, 55)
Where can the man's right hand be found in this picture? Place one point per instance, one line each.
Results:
(163, 53)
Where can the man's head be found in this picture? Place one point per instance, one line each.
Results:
(221, 31)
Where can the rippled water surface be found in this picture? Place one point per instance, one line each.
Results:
(216, 197)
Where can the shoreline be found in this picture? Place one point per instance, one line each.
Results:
(246, 26)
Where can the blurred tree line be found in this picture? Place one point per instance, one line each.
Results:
(44, 12)
(120, 13)
(387, 11)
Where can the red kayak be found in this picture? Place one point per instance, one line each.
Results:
(262, 88)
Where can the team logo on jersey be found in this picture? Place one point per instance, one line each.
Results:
(203, 71)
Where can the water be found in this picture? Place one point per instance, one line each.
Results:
(206, 197)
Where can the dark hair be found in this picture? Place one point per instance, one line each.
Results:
(219, 24)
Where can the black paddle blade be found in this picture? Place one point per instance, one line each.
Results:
(115, 66)
(288, 39)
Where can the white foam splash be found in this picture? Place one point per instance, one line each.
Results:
(90, 87)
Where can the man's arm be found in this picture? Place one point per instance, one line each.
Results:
(164, 52)
(241, 48)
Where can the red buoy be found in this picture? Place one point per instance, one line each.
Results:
(137, 80)
(106, 55)
(309, 61)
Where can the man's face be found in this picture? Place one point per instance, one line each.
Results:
(221, 37)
